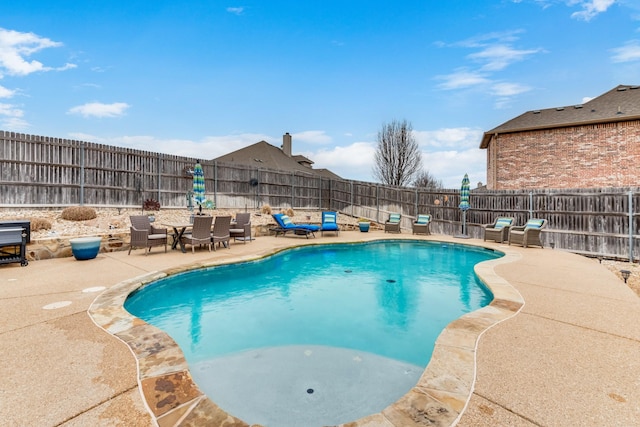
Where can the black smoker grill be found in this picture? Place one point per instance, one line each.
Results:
(14, 236)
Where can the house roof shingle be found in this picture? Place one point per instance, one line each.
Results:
(621, 103)
(266, 156)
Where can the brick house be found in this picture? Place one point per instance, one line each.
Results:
(591, 145)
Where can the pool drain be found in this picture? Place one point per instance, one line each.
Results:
(391, 281)
(347, 271)
(310, 391)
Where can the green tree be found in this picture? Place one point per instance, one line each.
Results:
(398, 158)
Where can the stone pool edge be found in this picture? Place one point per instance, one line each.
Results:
(439, 398)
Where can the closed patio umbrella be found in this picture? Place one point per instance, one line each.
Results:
(464, 205)
(198, 185)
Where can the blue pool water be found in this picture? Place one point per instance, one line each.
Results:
(380, 305)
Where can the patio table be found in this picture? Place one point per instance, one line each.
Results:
(178, 230)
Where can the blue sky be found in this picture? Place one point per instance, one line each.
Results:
(203, 78)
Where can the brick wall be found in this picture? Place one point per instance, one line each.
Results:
(589, 156)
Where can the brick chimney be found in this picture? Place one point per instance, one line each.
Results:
(286, 144)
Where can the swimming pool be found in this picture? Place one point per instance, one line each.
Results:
(374, 301)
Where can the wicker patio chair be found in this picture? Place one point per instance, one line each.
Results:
(499, 229)
(393, 223)
(242, 227)
(421, 224)
(200, 233)
(144, 235)
(528, 234)
(221, 231)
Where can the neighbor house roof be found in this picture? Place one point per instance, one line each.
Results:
(619, 104)
(266, 156)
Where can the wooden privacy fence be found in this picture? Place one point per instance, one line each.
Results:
(38, 171)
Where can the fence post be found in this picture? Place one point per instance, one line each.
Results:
(377, 203)
(416, 211)
(258, 188)
(81, 173)
(293, 188)
(530, 204)
(159, 175)
(630, 226)
(352, 207)
(215, 183)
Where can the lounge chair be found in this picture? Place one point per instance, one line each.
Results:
(499, 229)
(329, 222)
(200, 233)
(285, 225)
(144, 235)
(221, 232)
(393, 223)
(242, 228)
(421, 224)
(528, 234)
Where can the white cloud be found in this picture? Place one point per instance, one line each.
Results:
(450, 166)
(591, 8)
(449, 138)
(15, 47)
(14, 124)
(353, 161)
(462, 79)
(6, 93)
(98, 109)
(509, 89)
(494, 53)
(627, 53)
(11, 118)
(449, 153)
(10, 111)
(483, 40)
(235, 10)
(206, 148)
(499, 57)
(312, 137)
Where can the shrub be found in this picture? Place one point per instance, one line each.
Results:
(79, 213)
(151, 205)
(289, 212)
(266, 209)
(38, 224)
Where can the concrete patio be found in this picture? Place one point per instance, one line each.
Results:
(569, 357)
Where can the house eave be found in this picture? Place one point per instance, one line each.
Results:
(486, 138)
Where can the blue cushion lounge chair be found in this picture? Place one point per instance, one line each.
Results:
(329, 222)
(393, 223)
(285, 225)
(421, 224)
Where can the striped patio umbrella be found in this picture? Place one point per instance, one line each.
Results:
(464, 193)
(198, 185)
(464, 205)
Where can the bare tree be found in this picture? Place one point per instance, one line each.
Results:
(425, 180)
(398, 157)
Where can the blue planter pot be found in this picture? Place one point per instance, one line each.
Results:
(364, 226)
(85, 247)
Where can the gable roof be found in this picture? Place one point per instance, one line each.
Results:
(264, 155)
(621, 103)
